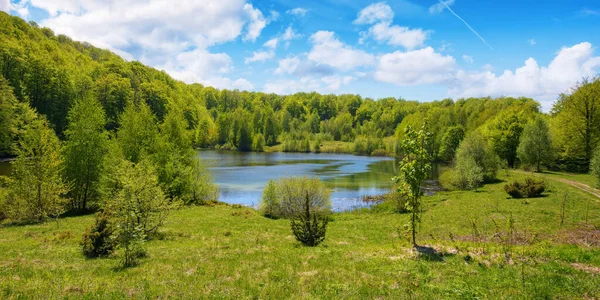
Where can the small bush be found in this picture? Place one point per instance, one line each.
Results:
(309, 227)
(97, 240)
(399, 198)
(514, 190)
(534, 188)
(531, 188)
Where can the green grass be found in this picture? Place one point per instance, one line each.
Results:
(228, 252)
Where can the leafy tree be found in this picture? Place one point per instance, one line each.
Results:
(535, 147)
(475, 155)
(139, 207)
(450, 141)
(414, 169)
(259, 143)
(270, 203)
(138, 132)
(577, 120)
(8, 104)
(84, 151)
(504, 134)
(36, 189)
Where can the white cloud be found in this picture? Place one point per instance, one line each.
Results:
(376, 12)
(423, 66)
(328, 50)
(398, 36)
(532, 42)
(5, 5)
(440, 6)
(467, 59)
(257, 22)
(327, 84)
(569, 66)
(288, 65)
(260, 56)
(380, 16)
(289, 34)
(272, 43)
(298, 11)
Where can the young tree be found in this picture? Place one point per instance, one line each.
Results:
(595, 166)
(36, 189)
(84, 151)
(535, 147)
(8, 104)
(474, 148)
(414, 169)
(138, 209)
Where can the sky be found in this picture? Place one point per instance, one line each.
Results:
(418, 50)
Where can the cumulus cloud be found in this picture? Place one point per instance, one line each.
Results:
(328, 50)
(467, 59)
(298, 11)
(380, 16)
(424, 66)
(398, 36)
(570, 65)
(376, 12)
(301, 66)
(5, 5)
(272, 43)
(327, 84)
(260, 56)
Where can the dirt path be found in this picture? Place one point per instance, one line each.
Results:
(582, 186)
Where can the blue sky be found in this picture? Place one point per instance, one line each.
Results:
(418, 50)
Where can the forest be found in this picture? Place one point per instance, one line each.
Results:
(87, 131)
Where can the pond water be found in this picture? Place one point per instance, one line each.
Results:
(241, 177)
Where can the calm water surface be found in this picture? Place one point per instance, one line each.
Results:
(241, 177)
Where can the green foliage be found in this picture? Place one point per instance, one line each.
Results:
(535, 147)
(97, 241)
(8, 104)
(414, 169)
(36, 188)
(475, 149)
(286, 197)
(84, 151)
(309, 227)
(576, 123)
(258, 144)
(469, 175)
(450, 142)
(505, 132)
(139, 206)
(138, 131)
(531, 188)
(270, 203)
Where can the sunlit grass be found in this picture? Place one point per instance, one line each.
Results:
(233, 252)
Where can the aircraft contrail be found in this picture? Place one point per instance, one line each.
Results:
(471, 28)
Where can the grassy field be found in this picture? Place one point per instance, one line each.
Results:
(233, 252)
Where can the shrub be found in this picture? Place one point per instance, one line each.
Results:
(514, 190)
(309, 227)
(595, 166)
(97, 240)
(305, 201)
(475, 148)
(531, 188)
(270, 204)
(469, 175)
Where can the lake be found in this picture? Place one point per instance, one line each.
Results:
(242, 176)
